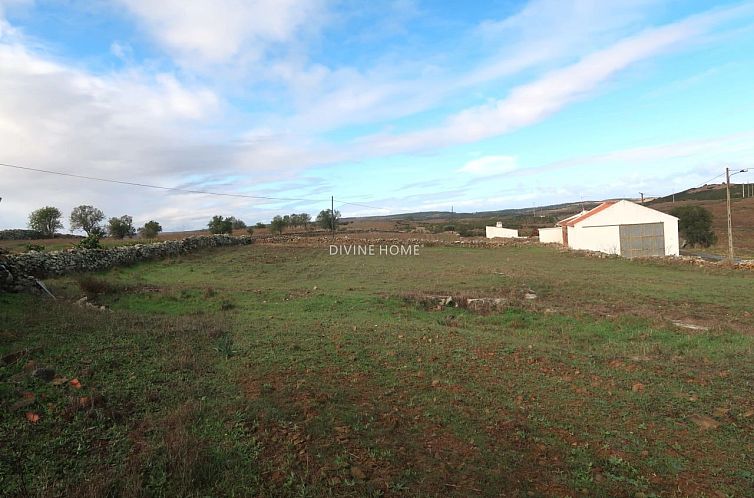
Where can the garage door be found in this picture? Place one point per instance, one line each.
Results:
(646, 239)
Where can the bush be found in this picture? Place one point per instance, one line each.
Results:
(250, 230)
(150, 229)
(90, 242)
(92, 286)
(45, 220)
(260, 225)
(695, 225)
(218, 225)
(35, 247)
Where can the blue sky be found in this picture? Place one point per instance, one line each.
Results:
(405, 105)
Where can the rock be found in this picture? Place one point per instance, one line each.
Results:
(530, 295)
(45, 374)
(446, 301)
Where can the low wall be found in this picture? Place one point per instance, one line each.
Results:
(16, 269)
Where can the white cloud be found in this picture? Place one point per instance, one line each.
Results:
(218, 31)
(490, 165)
(128, 125)
(532, 102)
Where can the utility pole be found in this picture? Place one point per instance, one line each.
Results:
(730, 222)
(642, 197)
(332, 215)
(728, 174)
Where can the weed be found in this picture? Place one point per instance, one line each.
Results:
(225, 345)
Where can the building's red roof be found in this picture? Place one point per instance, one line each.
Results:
(569, 222)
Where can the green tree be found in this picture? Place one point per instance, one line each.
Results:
(327, 219)
(695, 225)
(260, 225)
(218, 224)
(87, 218)
(46, 220)
(150, 229)
(305, 219)
(122, 227)
(237, 223)
(278, 224)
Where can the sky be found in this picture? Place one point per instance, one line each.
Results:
(392, 106)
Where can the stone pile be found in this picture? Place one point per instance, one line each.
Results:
(20, 271)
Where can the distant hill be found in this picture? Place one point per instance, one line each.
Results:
(713, 192)
(430, 216)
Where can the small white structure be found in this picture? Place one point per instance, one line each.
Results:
(618, 227)
(499, 231)
(551, 235)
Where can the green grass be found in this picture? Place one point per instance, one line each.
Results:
(269, 370)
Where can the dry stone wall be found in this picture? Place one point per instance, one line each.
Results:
(19, 271)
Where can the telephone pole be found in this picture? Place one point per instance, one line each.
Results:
(728, 174)
(332, 215)
(730, 223)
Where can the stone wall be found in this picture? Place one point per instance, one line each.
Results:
(18, 271)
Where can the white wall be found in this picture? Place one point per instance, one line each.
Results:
(501, 232)
(603, 239)
(629, 213)
(551, 235)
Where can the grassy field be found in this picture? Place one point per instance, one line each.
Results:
(273, 370)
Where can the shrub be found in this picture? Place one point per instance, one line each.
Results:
(150, 229)
(90, 242)
(260, 225)
(46, 220)
(35, 247)
(218, 224)
(695, 224)
(92, 286)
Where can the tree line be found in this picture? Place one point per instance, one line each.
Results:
(47, 221)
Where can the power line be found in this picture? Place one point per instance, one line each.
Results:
(713, 178)
(361, 205)
(173, 189)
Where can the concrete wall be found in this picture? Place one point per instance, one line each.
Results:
(602, 239)
(551, 235)
(629, 213)
(501, 232)
(16, 269)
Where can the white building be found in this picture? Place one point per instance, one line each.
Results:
(499, 231)
(618, 227)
